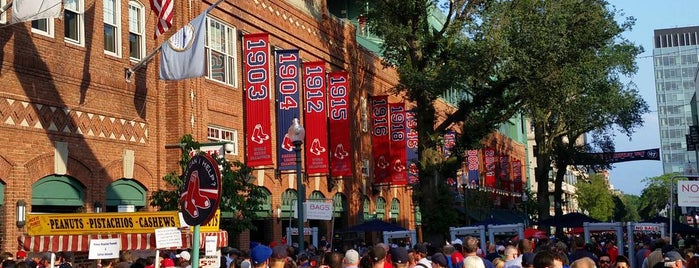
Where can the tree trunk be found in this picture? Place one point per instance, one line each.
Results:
(561, 170)
(543, 165)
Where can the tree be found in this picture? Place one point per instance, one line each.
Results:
(239, 197)
(655, 197)
(594, 196)
(626, 208)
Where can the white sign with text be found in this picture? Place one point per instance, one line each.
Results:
(104, 249)
(168, 237)
(688, 193)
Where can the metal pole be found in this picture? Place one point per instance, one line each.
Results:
(301, 193)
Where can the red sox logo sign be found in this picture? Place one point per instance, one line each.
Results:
(202, 192)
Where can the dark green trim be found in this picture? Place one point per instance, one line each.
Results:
(316, 196)
(380, 205)
(126, 192)
(2, 193)
(366, 204)
(265, 209)
(57, 190)
(288, 199)
(395, 208)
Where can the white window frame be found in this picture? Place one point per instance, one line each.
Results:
(80, 13)
(117, 27)
(141, 25)
(49, 28)
(3, 16)
(230, 52)
(221, 134)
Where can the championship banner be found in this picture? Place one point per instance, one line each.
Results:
(398, 144)
(287, 69)
(449, 142)
(381, 140)
(505, 182)
(411, 147)
(100, 223)
(339, 124)
(489, 159)
(517, 174)
(473, 167)
(316, 143)
(257, 99)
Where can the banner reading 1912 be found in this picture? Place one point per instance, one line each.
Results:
(316, 144)
(257, 99)
(288, 108)
(340, 160)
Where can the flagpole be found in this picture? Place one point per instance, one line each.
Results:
(130, 71)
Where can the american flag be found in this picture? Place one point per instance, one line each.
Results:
(164, 9)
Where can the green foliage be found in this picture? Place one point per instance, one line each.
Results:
(655, 196)
(239, 197)
(594, 196)
(629, 210)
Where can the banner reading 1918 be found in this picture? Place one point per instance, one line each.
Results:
(340, 160)
(316, 144)
(411, 146)
(398, 153)
(288, 108)
(257, 99)
(381, 140)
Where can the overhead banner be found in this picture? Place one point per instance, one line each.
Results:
(449, 142)
(257, 99)
(398, 144)
(505, 182)
(517, 174)
(617, 157)
(339, 124)
(100, 223)
(287, 104)
(473, 167)
(316, 144)
(381, 140)
(411, 147)
(489, 159)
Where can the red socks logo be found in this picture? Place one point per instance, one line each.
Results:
(193, 197)
(286, 144)
(340, 152)
(258, 136)
(382, 163)
(316, 149)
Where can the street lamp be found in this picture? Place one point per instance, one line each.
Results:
(672, 200)
(296, 134)
(21, 213)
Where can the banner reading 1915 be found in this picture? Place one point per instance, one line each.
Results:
(340, 160)
(316, 144)
(288, 108)
(96, 223)
(257, 99)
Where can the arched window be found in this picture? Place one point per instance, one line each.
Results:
(265, 209)
(288, 201)
(380, 208)
(316, 196)
(339, 204)
(366, 205)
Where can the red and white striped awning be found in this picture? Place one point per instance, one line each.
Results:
(81, 243)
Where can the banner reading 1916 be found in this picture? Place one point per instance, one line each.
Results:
(340, 160)
(257, 99)
(381, 139)
(288, 108)
(316, 144)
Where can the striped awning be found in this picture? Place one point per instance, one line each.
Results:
(81, 243)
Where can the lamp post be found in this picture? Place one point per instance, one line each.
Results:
(296, 134)
(21, 213)
(672, 200)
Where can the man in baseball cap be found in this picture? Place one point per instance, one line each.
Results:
(399, 257)
(260, 256)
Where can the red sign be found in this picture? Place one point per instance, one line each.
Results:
(381, 140)
(202, 192)
(316, 144)
(398, 144)
(517, 173)
(257, 100)
(340, 160)
(505, 182)
(489, 160)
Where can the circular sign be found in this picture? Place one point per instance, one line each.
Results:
(202, 190)
(182, 39)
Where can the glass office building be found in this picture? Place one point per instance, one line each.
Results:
(675, 53)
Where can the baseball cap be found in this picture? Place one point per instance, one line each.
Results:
(420, 248)
(184, 255)
(280, 252)
(167, 263)
(500, 248)
(457, 241)
(673, 256)
(260, 254)
(351, 257)
(440, 259)
(399, 255)
(21, 254)
(377, 253)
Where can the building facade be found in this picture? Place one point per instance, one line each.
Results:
(675, 57)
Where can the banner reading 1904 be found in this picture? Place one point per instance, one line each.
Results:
(288, 108)
(257, 99)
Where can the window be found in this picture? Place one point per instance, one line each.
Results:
(112, 21)
(221, 52)
(221, 134)
(137, 44)
(74, 23)
(43, 27)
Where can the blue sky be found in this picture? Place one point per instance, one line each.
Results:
(650, 15)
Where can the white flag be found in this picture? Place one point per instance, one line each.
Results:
(26, 10)
(182, 56)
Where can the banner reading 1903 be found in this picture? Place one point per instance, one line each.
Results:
(257, 99)
(288, 108)
(316, 144)
(340, 159)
